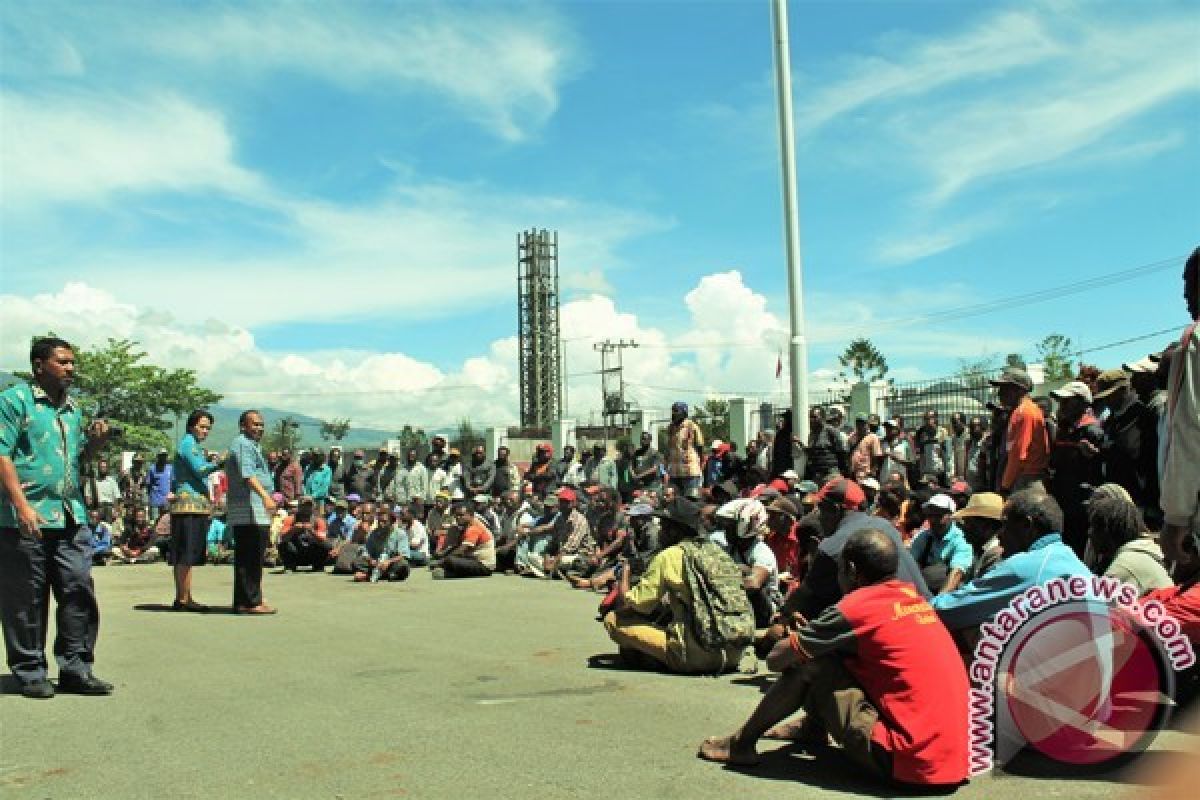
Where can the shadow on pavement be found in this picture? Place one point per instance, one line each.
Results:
(1136, 769)
(157, 607)
(827, 768)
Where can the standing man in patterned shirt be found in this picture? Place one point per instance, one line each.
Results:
(684, 442)
(248, 510)
(45, 543)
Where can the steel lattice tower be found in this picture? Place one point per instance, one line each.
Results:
(537, 321)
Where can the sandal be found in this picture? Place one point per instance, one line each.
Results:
(190, 605)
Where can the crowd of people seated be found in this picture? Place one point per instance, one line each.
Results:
(859, 563)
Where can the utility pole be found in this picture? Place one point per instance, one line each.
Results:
(798, 349)
(612, 403)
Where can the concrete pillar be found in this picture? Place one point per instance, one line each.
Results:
(878, 399)
(562, 433)
(492, 439)
(860, 400)
(741, 422)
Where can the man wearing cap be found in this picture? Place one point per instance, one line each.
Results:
(1127, 457)
(340, 524)
(684, 443)
(573, 541)
(866, 451)
(1034, 553)
(783, 537)
(1075, 464)
(839, 505)
(940, 549)
(980, 521)
(1026, 444)
(742, 523)
(673, 645)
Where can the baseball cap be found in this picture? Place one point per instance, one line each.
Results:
(940, 502)
(988, 505)
(567, 494)
(1014, 376)
(1109, 382)
(869, 483)
(1146, 364)
(790, 475)
(716, 444)
(842, 492)
(1073, 389)
(891, 423)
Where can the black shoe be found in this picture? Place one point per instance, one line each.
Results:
(39, 690)
(85, 684)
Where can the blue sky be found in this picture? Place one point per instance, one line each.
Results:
(318, 203)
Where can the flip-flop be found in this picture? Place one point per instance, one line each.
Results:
(708, 752)
(190, 606)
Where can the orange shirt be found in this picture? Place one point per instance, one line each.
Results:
(319, 527)
(1028, 444)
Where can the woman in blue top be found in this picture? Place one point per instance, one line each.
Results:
(318, 482)
(190, 508)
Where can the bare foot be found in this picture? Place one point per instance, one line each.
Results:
(798, 732)
(723, 750)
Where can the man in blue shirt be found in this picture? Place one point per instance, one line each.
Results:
(248, 511)
(941, 549)
(1031, 536)
(45, 543)
(159, 478)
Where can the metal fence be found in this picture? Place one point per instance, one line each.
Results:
(966, 394)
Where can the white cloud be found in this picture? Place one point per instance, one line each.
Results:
(729, 345)
(499, 66)
(84, 147)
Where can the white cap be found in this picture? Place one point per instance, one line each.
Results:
(716, 443)
(1073, 389)
(790, 475)
(869, 483)
(941, 502)
(1146, 364)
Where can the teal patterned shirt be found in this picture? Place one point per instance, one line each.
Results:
(44, 442)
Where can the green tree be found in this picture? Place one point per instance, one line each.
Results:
(977, 371)
(284, 434)
(335, 429)
(713, 418)
(413, 439)
(465, 438)
(147, 401)
(864, 360)
(1055, 353)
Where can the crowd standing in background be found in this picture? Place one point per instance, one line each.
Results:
(705, 560)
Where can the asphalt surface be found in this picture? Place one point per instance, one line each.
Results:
(427, 689)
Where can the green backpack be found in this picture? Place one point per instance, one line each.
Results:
(721, 615)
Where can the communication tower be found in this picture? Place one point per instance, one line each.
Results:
(538, 329)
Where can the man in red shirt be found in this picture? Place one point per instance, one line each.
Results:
(475, 554)
(877, 671)
(1028, 444)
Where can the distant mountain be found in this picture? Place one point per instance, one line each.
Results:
(225, 427)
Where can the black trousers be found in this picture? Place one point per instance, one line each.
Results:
(464, 567)
(30, 569)
(249, 546)
(295, 552)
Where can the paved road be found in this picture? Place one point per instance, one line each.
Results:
(426, 689)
